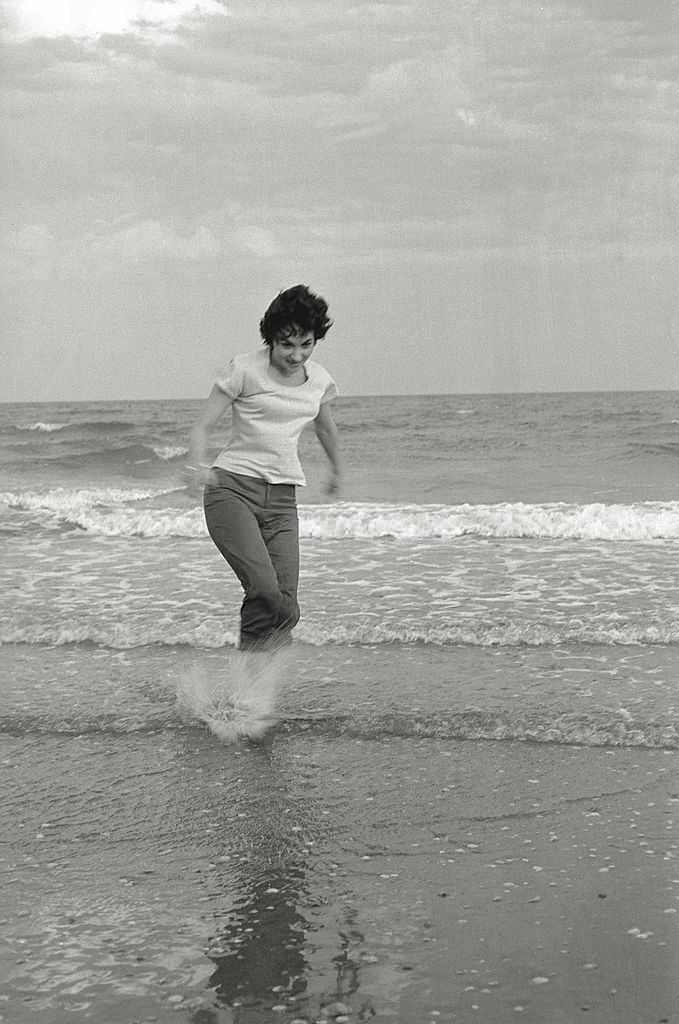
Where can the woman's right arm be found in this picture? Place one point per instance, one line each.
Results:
(212, 411)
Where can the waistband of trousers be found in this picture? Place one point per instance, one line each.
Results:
(254, 487)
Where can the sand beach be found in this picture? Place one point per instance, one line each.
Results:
(334, 870)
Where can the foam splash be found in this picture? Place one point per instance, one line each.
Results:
(240, 702)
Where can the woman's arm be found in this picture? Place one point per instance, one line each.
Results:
(212, 411)
(326, 432)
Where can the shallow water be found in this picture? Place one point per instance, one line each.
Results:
(569, 693)
(125, 593)
(168, 877)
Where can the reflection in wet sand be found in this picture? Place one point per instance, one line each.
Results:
(259, 954)
(264, 948)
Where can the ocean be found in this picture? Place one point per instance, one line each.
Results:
(499, 568)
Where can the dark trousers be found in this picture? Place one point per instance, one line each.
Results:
(254, 525)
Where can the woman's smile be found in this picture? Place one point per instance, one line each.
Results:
(289, 354)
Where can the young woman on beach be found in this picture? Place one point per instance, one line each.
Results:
(250, 488)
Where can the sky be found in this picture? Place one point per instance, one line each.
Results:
(486, 192)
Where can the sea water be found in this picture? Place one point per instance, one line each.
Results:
(499, 569)
(529, 526)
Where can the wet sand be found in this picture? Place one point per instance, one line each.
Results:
(163, 876)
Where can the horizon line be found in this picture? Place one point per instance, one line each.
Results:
(375, 394)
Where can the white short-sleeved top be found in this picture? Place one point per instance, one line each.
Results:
(268, 417)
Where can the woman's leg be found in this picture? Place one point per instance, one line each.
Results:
(281, 536)
(232, 514)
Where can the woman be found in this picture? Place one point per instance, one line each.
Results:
(250, 489)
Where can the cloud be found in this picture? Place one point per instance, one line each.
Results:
(31, 238)
(504, 123)
(253, 240)
(34, 252)
(28, 253)
(93, 18)
(149, 239)
(192, 152)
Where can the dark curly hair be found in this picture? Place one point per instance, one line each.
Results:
(295, 309)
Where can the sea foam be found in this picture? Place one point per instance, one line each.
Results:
(211, 634)
(558, 521)
(168, 452)
(113, 512)
(43, 428)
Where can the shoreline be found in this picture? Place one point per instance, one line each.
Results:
(152, 875)
(523, 694)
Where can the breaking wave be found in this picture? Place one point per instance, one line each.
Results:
(114, 512)
(43, 428)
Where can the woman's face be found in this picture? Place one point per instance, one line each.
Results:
(290, 353)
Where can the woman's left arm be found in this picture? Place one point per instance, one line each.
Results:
(326, 432)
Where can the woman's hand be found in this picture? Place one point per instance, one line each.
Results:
(197, 477)
(196, 472)
(326, 432)
(333, 484)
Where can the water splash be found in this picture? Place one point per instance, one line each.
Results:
(240, 701)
